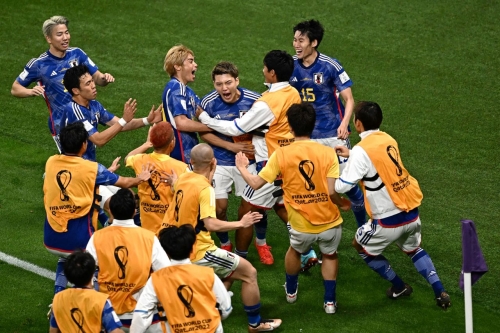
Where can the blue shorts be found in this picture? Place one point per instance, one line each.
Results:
(64, 243)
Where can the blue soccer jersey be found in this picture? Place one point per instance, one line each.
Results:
(91, 117)
(215, 106)
(48, 70)
(320, 84)
(179, 99)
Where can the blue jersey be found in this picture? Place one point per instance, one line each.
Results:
(320, 84)
(49, 71)
(215, 106)
(91, 117)
(179, 99)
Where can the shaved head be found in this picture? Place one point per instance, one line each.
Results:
(201, 156)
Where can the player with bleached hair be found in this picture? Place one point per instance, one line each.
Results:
(180, 101)
(322, 81)
(48, 69)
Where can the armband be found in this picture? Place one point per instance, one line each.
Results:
(145, 121)
(122, 122)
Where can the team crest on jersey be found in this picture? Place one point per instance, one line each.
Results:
(73, 63)
(318, 78)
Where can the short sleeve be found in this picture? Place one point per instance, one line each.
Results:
(271, 170)
(177, 101)
(207, 203)
(104, 176)
(110, 320)
(29, 74)
(84, 58)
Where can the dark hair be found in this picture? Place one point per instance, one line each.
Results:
(178, 241)
(122, 204)
(72, 77)
(225, 67)
(79, 268)
(369, 113)
(312, 29)
(301, 118)
(282, 64)
(72, 137)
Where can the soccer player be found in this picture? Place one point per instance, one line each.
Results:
(195, 205)
(268, 112)
(322, 81)
(227, 102)
(125, 254)
(180, 101)
(154, 196)
(392, 198)
(84, 108)
(175, 286)
(309, 171)
(48, 70)
(81, 308)
(71, 196)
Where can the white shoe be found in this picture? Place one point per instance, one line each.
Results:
(330, 307)
(291, 298)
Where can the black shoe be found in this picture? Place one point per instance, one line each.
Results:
(443, 301)
(392, 293)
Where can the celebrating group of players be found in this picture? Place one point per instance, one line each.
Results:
(286, 149)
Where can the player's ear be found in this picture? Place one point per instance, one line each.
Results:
(237, 80)
(75, 91)
(314, 43)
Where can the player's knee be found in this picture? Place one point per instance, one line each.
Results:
(221, 213)
(332, 256)
(356, 245)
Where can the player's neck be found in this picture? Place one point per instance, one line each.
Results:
(81, 101)
(310, 59)
(302, 138)
(57, 53)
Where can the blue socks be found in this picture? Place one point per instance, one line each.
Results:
(253, 314)
(291, 283)
(357, 205)
(242, 254)
(381, 265)
(330, 290)
(61, 280)
(261, 227)
(425, 267)
(223, 237)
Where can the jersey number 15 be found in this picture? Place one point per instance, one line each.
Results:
(308, 95)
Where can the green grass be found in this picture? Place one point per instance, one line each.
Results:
(432, 66)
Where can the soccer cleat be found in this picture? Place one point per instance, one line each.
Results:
(443, 301)
(330, 307)
(307, 261)
(392, 293)
(264, 251)
(228, 248)
(265, 325)
(291, 298)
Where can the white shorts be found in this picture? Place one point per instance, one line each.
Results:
(106, 192)
(328, 240)
(223, 262)
(263, 197)
(225, 176)
(332, 142)
(374, 238)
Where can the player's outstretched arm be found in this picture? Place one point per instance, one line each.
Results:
(102, 79)
(254, 181)
(127, 182)
(20, 91)
(142, 148)
(234, 147)
(185, 124)
(215, 225)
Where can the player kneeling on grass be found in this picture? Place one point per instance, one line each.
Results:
(392, 198)
(193, 296)
(195, 205)
(309, 171)
(81, 308)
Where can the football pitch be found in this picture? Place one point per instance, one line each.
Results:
(433, 66)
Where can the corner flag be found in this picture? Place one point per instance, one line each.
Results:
(472, 258)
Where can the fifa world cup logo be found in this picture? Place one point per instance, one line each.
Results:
(154, 182)
(394, 156)
(63, 178)
(306, 169)
(179, 195)
(77, 317)
(121, 257)
(185, 294)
